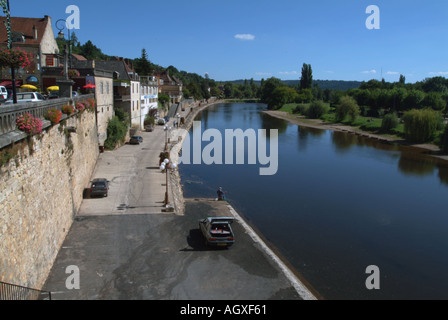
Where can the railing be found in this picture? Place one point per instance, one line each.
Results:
(14, 292)
(9, 113)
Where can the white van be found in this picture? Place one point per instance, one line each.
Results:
(3, 94)
(27, 97)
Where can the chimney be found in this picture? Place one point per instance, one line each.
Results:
(34, 32)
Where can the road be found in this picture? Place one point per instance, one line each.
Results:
(126, 248)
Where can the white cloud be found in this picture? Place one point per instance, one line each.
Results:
(263, 74)
(392, 73)
(440, 73)
(245, 37)
(288, 72)
(369, 72)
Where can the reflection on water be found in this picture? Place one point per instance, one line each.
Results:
(413, 161)
(339, 203)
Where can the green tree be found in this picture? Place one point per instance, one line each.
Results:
(444, 140)
(228, 90)
(306, 81)
(347, 107)
(281, 96)
(421, 125)
(317, 109)
(414, 99)
(142, 65)
(163, 99)
(268, 88)
(390, 121)
(304, 96)
(435, 101)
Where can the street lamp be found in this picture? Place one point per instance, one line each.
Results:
(166, 129)
(61, 37)
(164, 167)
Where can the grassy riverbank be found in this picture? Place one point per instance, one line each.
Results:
(357, 127)
(362, 124)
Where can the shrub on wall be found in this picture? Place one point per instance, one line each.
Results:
(68, 109)
(116, 133)
(80, 106)
(28, 124)
(90, 104)
(53, 115)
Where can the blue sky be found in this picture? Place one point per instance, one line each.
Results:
(243, 39)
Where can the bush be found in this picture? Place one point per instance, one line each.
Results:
(54, 115)
(347, 107)
(421, 125)
(301, 109)
(116, 132)
(28, 124)
(390, 121)
(68, 109)
(317, 109)
(80, 106)
(149, 120)
(444, 140)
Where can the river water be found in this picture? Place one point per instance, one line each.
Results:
(338, 204)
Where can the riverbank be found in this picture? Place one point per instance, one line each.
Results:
(176, 140)
(429, 149)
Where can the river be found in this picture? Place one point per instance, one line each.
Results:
(338, 204)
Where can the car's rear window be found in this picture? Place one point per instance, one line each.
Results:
(98, 184)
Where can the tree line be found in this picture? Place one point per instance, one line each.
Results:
(421, 107)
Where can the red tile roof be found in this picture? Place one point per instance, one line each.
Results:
(25, 26)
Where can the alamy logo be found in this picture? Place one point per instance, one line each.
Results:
(74, 20)
(212, 153)
(72, 281)
(373, 21)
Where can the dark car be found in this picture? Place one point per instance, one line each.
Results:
(136, 140)
(217, 231)
(167, 119)
(53, 95)
(99, 187)
(149, 128)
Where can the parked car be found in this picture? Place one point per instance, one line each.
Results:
(161, 121)
(3, 94)
(99, 187)
(136, 140)
(217, 231)
(149, 128)
(53, 95)
(167, 119)
(27, 97)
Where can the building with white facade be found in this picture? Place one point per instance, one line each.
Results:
(149, 94)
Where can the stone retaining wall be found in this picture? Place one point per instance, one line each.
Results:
(41, 191)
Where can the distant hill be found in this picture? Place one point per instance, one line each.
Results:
(323, 84)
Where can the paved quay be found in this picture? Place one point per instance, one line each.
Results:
(126, 248)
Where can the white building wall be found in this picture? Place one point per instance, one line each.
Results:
(135, 104)
(148, 100)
